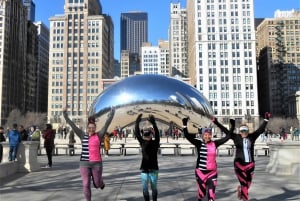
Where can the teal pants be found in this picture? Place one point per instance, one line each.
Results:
(150, 177)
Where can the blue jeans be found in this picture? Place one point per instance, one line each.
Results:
(13, 152)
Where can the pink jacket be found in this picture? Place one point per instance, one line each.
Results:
(94, 148)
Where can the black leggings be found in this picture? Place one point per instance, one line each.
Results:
(49, 155)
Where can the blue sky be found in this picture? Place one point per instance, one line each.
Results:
(158, 13)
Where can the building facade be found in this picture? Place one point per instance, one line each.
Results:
(281, 34)
(178, 40)
(30, 72)
(221, 49)
(150, 59)
(80, 55)
(30, 6)
(134, 31)
(278, 42)
(42, 67)
(13, 43)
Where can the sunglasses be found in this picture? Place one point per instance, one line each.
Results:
(244, 131)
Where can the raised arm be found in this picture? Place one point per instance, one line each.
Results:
(151, 119)
(262, 127)
(137, 131)
(76, 130)
(107, 122)
(190, 137)
(223, 128)
(227, 135)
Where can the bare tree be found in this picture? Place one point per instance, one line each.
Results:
(15, 116)
(276, 123)
(28, 119)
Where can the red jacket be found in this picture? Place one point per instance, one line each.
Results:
(49, 136)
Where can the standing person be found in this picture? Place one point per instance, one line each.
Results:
(2, 139)
(106, 142)
(49, 135)
(206, 166)
(244, 163)
(149, 163)
(23, 132)
(72, 141)
(282, 134)
(90, 160)
(14, 139)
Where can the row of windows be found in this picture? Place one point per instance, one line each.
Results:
(225, 87)
(74, 91)
(226, 95)
(234, 62)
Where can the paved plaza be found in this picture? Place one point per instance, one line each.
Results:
(121, 174)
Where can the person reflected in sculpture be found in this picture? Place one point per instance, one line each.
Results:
(149, 164)
(206, 165)
(244, 163)
(90, 159)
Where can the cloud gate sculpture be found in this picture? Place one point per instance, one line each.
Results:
(168, 99)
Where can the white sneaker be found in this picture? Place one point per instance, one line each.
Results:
(47, 166)
(106, 156)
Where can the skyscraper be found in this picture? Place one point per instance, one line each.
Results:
(134, 31)
(42, 67)
(13, 33)
(278, 42)
(81, 55)
(30, 5)
(178, 40)
(221, 56)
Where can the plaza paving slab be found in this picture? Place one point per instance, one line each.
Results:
(122, 178)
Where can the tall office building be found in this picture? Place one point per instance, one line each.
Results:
(13, 37)
(134, 31)
(155, 59)
(80, 55)
(178, 40)
(30, 6)
(30, 72)
(164, 57)
(130, 63)
(42, 67)
(281, 34)
(221, 54)
(278, 42)
(150, 59)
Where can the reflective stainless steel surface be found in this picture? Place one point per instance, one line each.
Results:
(168, 99)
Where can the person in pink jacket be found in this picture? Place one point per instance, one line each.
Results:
(90, 160)
(206, 165)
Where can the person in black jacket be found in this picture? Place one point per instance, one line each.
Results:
(2, 139)
(244, 163)
(149, 164)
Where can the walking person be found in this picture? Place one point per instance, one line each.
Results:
(90, 159)
(14, 139)
(49, 135)
(244, 163)
(149, 163)
(206, 165)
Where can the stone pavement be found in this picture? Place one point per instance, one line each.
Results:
(121, 174)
